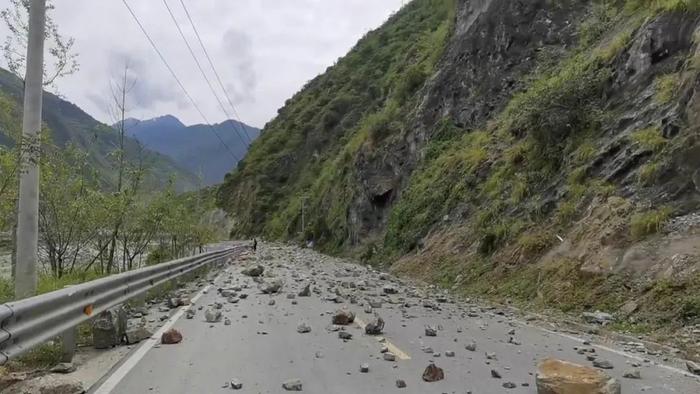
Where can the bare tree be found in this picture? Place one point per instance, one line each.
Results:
(124, 197)
(60, 48)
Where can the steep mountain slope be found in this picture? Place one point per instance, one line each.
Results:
(195, 147)
(540, 152)
(68, 124)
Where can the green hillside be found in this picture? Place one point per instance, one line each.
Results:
(68, 124)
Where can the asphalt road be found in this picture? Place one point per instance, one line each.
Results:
(262, 349)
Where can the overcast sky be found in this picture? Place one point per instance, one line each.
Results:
(264, 50)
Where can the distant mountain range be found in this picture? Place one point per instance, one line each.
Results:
(195, 148)
(68, 124)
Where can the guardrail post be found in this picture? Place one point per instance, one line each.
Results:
(69, 341)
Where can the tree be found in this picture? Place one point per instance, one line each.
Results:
(69, 218)
(124, 197)
(60, 48)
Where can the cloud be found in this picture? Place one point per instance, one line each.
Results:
(238, 46)
(264, 51)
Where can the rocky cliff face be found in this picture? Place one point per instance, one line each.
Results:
(542, 152)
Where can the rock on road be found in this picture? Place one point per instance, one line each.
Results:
(263, 341)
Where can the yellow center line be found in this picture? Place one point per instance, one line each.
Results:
(400, 354)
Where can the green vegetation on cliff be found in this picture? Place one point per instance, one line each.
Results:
(309, 149)
(542, 165)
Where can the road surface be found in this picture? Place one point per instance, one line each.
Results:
(261, 348)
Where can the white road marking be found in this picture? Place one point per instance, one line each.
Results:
(400, 354)
(111, 383)
(615, 351)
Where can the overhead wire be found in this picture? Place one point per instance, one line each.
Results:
(174, 75)
(206, 78)
(213, 68)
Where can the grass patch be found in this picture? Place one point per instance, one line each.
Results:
(650, 222)
(649, 139)
(666, 88)
(649, 173)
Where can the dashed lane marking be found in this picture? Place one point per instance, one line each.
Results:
(400, 354)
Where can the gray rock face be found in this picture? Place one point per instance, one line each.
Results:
(104, 331)
(47, 384)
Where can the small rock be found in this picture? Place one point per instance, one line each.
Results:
(433, 373)
(693, 367)
(449, 353)
(343, 317)
(344, 335)
(63, 368)
(495, 374)
(236, 384)
(292, 385)
(306, 291)
(471, 347)
(388, 356)
(375, 327)
(388, 289)
(303, 328)
(271, 287)
(212, 315)
(430, 331)
(602, 364)
(400, 383)
(509, 385)
(632, 374)
(364, 368)
(171, 337)
(227, 321)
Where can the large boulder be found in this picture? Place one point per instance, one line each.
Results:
(254, 271)
(171, 337)
(343, 317)
(104, 331)
(212, 315)
(272, 286)
(562, 377)
(47, 384)
(136, 334)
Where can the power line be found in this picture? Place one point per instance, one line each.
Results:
(170, 69)
(211, 64)
(201, 70)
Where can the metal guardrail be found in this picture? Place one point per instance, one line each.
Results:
(27, 323)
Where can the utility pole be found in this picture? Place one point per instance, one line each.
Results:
(303, 209)
(28, 209)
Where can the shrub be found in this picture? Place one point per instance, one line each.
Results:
(412, 80)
